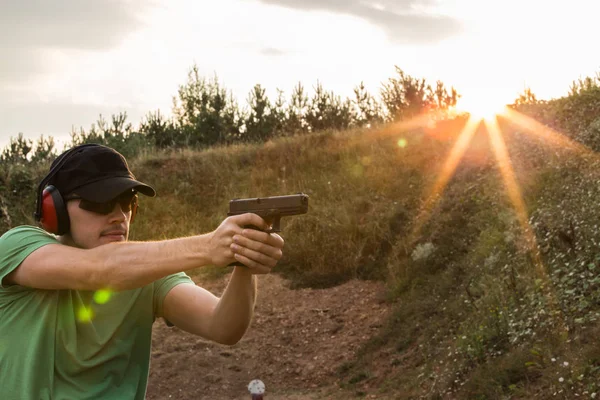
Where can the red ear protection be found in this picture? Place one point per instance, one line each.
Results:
(50, 208)
(54, 215)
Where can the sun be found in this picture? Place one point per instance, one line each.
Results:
(481, 108)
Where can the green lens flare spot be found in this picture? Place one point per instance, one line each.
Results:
(85, 314)
(402, 143)
(102, 296)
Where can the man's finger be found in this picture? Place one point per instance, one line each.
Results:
(272, 239)
(272, 248)
(276, 240)
(253, 234)
(255, 267)
(257, 251)
(251, 219)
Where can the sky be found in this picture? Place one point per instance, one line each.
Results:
(65, 62)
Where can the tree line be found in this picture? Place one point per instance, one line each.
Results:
(206, 114)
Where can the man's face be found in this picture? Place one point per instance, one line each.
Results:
(91, 229)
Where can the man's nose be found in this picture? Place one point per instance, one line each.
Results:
(118, 213)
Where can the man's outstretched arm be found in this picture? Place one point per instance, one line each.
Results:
(129, 265)
(226, 319)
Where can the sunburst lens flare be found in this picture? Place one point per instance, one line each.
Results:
(448, 169)
(510, 182)
(482, 109)
(516, 198)
(547, 134)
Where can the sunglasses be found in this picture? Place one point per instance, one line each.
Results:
(127, 201)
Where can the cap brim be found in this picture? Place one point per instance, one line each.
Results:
(108, 189)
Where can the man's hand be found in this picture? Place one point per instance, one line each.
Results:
(257, 250)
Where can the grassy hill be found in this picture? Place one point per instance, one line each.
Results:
(481, 311)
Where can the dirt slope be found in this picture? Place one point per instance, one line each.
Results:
(295, 345)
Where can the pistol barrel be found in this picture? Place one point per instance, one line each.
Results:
(293, 204)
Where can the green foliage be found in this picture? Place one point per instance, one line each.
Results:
(296, 111)
(44, 150)
(368, 112)
(5, 218)
(206, 113)
(527, 97)
(328, 111)
(20, 165)
(582, 85)
(441, 98)
(577, 115)
(262, 119)
(160, 131)
(279, 115)
(18, 184)
(17, 151)
(506, 377)
(118, 134)
(406, 96)
(566, 223)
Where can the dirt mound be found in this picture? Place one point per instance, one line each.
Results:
(297, 342)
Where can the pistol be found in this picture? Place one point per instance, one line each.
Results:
(271, 209)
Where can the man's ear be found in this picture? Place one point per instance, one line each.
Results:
(134, 210)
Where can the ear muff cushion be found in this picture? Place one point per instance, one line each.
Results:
(55, 218)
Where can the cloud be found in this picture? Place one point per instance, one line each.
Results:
(28, 27)
(18, 64)
(270, 51)
(55, 119)
(405, 21)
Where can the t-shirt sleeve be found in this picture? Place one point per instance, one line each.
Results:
(162, 288)
(18, 243)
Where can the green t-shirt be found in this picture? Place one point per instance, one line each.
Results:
(70, 344)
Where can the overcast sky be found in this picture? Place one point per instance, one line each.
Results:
(64, 62)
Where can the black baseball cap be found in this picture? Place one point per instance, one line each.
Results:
(96, 173)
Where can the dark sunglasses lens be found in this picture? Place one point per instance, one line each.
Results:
(126, 203)
(99, 208)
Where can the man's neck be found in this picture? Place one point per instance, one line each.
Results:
(67, 240)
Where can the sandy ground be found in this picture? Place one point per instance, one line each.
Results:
(297, 342)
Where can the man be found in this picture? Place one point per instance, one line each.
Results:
(77, 300)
